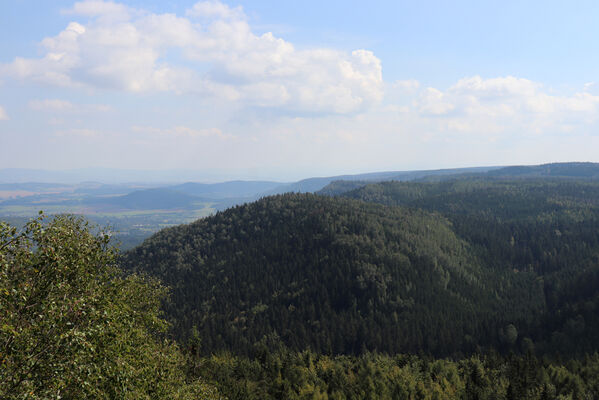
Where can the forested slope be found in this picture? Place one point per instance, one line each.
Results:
(336, 276)
(540, 227)
(473, 268)
(576, 171)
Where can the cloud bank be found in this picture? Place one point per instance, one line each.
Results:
(211, 51)
(124, 87)
(505, 105)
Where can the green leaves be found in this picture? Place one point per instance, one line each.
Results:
(72, 326)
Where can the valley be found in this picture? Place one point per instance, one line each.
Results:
(315, 200)
(477, 284)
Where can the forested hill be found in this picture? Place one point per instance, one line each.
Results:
(565, 171)
(579, 170)
(148, 199)
(501, 198)
(546, 228)
(336, 276)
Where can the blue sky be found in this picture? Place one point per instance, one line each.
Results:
(285, 90)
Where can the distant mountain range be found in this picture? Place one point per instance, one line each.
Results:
(577, 170)
(107, 175)
(563, 170)
(227, 190)
(148, 199)
(95, 196)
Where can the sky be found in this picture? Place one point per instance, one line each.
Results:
(288, 90)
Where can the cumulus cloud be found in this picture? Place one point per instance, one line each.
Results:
(501, 104)
(95, 8)
(119, 48)
(215, 9)
(435, 102)
(3, 115)
(407, 85)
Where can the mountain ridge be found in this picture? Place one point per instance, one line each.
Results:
(305, 268)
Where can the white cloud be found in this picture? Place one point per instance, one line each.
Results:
(99, 8)
(3, 114)
(407, 85)
(503, 87)
(57, 105)
(215, 9)
(125, 49)
(505, 104)
(435, 102)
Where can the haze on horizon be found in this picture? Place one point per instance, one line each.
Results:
(250, 90)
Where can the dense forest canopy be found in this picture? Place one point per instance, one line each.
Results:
(444, 268)
(73, 327)
(546, 229)
(459, 268)
(310, 296)
(315, 273)
(283, 374)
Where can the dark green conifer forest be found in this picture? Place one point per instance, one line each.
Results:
(545, 231)
(446, 269)
(461, 288)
